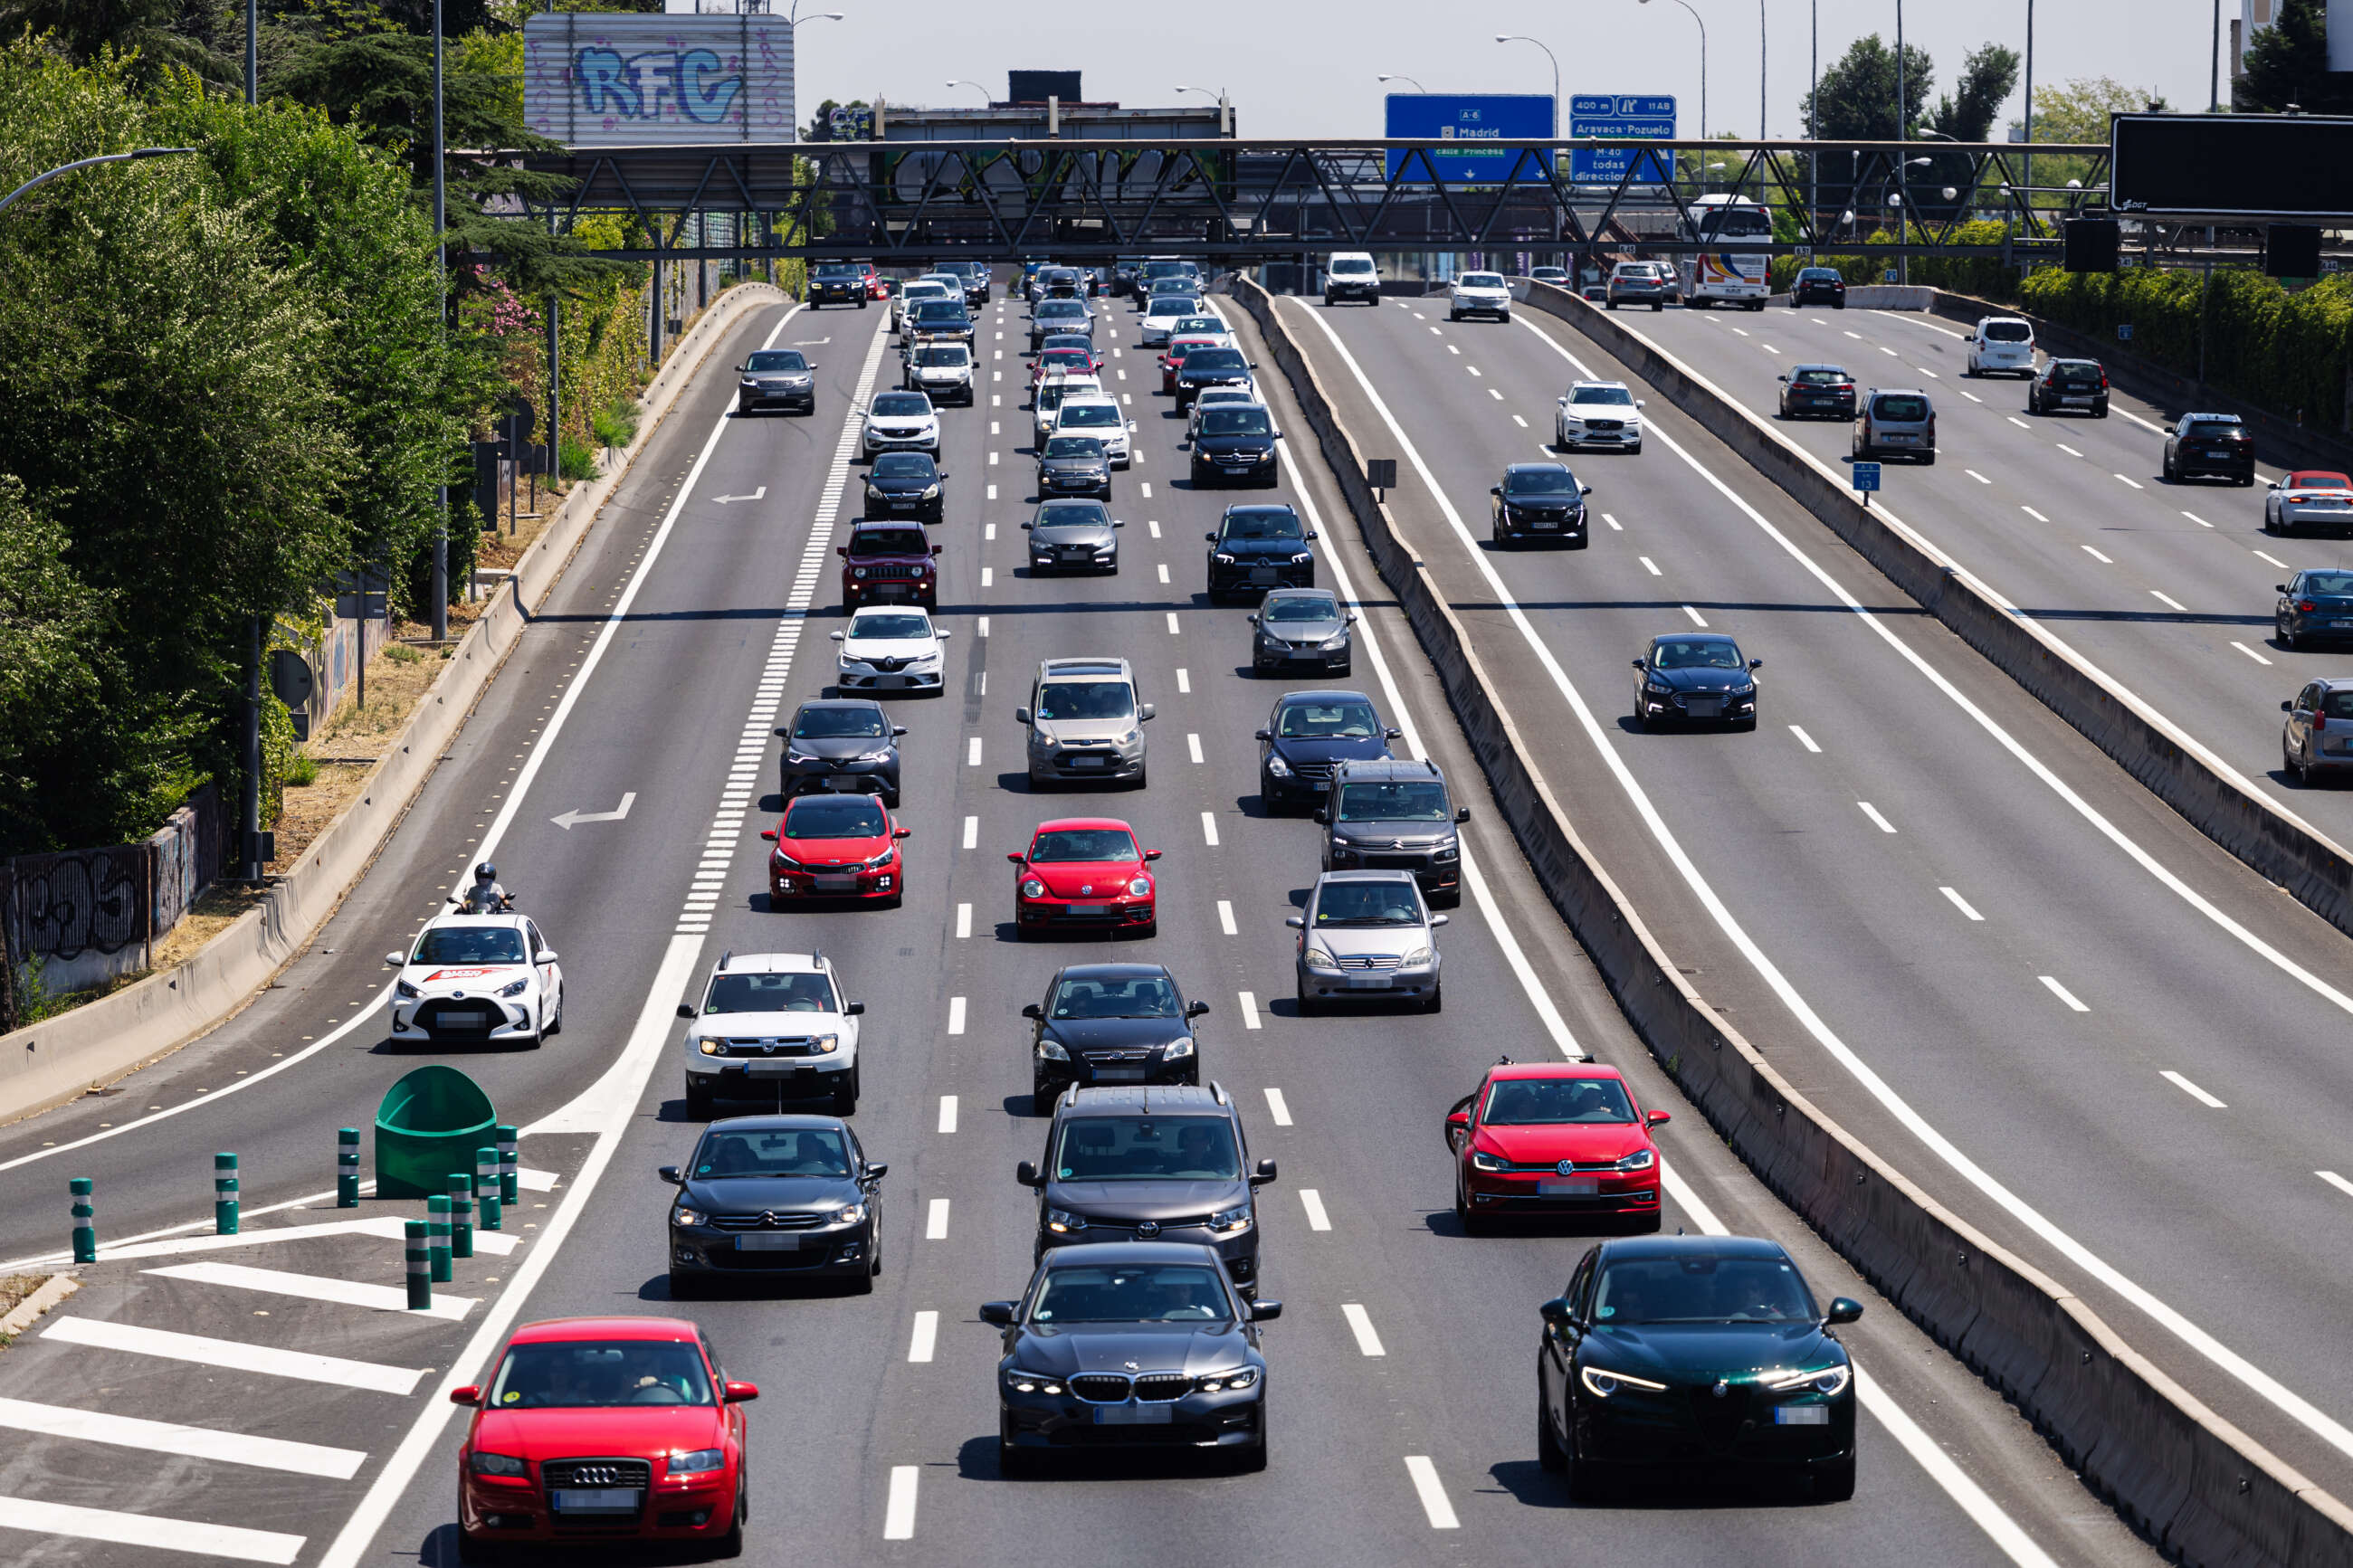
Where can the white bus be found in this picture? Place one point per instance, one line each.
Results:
(1725, 273)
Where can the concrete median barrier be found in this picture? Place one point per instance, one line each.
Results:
(2193, 1482)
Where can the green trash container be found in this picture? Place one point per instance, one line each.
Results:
(429, 1124)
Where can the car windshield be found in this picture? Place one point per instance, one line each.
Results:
(776, 359)
(901, 405)
(1539, 483)
(469, 944)
(837, 273)
(943, 354)
(889, 541)
(1083, 846)
(773, 1152)
(1700, 1288)
(1408, 800)
(1482, 281)
(2337, 704)
(1388, 902)
(903, 466)
(1270, 524)
(1236, 422)
(932, 311)
(1091, 415)
(1343, 264)
(1638, 270)
(2214, 427)
(1822, 376)
(1300, 607)
(1695, 653)
(1147, 1149)
(1201, 325)
(1073, 447)
(1135, 997)
(913, 293)
(1065, 358)
(1086, 514)
(890, 626)
(2327, 582)
(1058, 309)
(1617, 396)
(1329, 721)
(1131, 1293)
(2008, 332)
(1086, 699)
(769, 994)
(582, 1374)
(1903, 409)
(1550, 1101)
(1174, 305)
(839, 724)
(834, 816)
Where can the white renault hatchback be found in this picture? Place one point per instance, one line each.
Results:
(771, 1027)
(892, 648)
(477, 979)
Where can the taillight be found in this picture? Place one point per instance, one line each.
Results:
(2306, 606)
(2319, 720)
(2104, 380)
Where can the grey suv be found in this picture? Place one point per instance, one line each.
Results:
(1895, 423)
(1085, 722)
(1150, 1163)
(1367, 936)
(1391, 815)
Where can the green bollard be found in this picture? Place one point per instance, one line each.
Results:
(507, 1136)
(437, 1236)
(347, 1167)
(420, 1269)
(485, 1187)
(223, 1194)
(85, 1219)
(461, 1214)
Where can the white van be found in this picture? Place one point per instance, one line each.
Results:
(1351, 275)
(2002, 345)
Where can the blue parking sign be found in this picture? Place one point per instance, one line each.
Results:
(1866, 476)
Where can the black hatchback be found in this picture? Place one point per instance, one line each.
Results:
(1260, 547)
(1111, 1023)
(1816, 391)
(2069, 385)
(1307, 735)
(765, 1197)
(842, 743)
(1818, 286)
(906, 484)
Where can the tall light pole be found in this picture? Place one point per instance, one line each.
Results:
(976, 87)
(1225, 108)
(2029, 110)
(1703, 64)
(439, 619)
(2214, 63)
(1761, 96)
(253, 51)
(1524, 38)
(1814, 127)
(1400, 76)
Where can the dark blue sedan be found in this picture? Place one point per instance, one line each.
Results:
(1696, 678)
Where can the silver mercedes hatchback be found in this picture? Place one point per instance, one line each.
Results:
(1367, 936)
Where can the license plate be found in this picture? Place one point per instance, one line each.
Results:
(1091, 908)
(2337, 747)
(1368, 982)
(1569, 1186)
(1802, 1415)
(1089, 762)
(1134, 1415)
(774, 1069)
(1264, 574)
(1900, 440)
(2071, 401)
(1553, 523)
(1235, 469)
(1699, 708)
(766, 1242)
(1120, 1075)
(595, 1500)
(836, 884)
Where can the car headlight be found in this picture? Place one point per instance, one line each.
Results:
(1139, 887)
(857, 571)
(1020, 1381)
(1640, 1160)
(515, 988)
(1605, 1383)
(1316, 958)
(1277, 766)
(1652, 689)
(1829, 1380)
(1223, 559)
(702, 1461)
(1336, 641)
(498, 1465)
(405, 990)
(1062, 1222)
(882, 756)
(1178, 1049)
(1232, 1221)
(1450, 850)
(1483, 1160)
(848, 1214)
(712, 1047)
(1418, 957)
(748, 384)
(1302, 558)
(794, 755)
(931, 493)
(783, 862)
(878, 861)
(686, 1216)
(1131, 738)
(1243, 1377)
(1031, 887)
(824, 1045)
(1051, 1051)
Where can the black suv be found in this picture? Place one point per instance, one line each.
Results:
(1395, 815)
(1235, 443)
(1111, 1023)
(1538, 500)
(837, 285)
(2062, 384)
(1310, 734)
(1207, 367)
(1150, 1164)
(1260, 547)
(2210, 444)
(841, 743)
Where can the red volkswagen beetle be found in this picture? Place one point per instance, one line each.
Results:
(1085, 871)
(1553, 1138)
(835, 846)
(603, 1430)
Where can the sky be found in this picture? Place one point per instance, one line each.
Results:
(1307, 70)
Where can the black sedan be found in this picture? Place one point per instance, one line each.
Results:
(1073, 466)
(770, 1196)
(1697, 677)
(1260, 547)
(1308, 734)
(837, 284)
(1818, 286)
(906, 484)
(1816, 391)
(1235, 446)
(777, 378)
(2313, 605)
(1682, 1352)
(1130, 1344)
(1111, 1023)
(845, 743)
(1538, 500)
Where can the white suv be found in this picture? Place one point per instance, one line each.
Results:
(1096, 415)
(771, 1027)
(1597, 414)
(2002, 345)
(1479, 294)
(1352, 276)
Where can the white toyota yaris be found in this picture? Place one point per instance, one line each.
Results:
(477, 978)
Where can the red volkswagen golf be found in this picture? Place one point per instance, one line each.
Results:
(835, 846)
(1553, 1138)
(1085, 871)
(604, 1429)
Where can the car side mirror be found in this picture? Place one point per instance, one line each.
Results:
(546, 956)
(1494, 490)
(2271, 485)
(1296, 922)
(1584, 489)
(395, 960)
(2287, 707)
(1265, 1311)
(841, 550)
(1461, 814)
(1436, 921)
(1843, 1310)
(1657, 1118)
(670, 1173)
(1026, 1172)
(1263, 1175)
(1556, 1313)
(1028, 526)
(1021, 715)
(1197, 1010)
(1459, 1117)
(741, 1393)
(1034, 1011)
(466, 1394)
(898, 730)
(1262, 735)
(902, 832)
(1637, 663)
(854, 1010)
(1312, 534)
(743, 369)
(998, 1314)
(1775, 378)
(783, 734)
(687, 1010)
(1117, 523)
(2279, 587)
(1641, 402)
(1252, 619)
(877, 1170)
(1393, 734)
(1015, 856)
(1324, 815)
(836, 636)
(1277, 436)
(1152, 854)
(1147, 713)
(1756, 664)
(1210, 537)
(769, 833)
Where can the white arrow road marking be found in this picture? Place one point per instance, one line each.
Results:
(569, 817)
(756, 495)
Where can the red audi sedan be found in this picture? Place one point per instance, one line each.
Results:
(1553, 1138)
(1085, 871)
(835, 846)
(598, 1429)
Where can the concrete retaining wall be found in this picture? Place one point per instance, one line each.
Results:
(2195, 1484)
(52, 1062)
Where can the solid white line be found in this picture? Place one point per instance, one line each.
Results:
(2192, 1090)
(1871, 812)
(1360, 1323)
(187, 1442)
(1961, 903)
(2334, 1180)
(147, 1530)
(2251, 653)
(971, 831)
(1249, 1010)
(947, 1114)
(972, 752)
(956, 1014)
(2095, 555)
(935, 1220)
(1210, 827)
(924, 1337)
(1277, 1107)
(2169, 599)
(2061, 992)
(1226, 918)
(1805, 740)
(1313, 1202)
(533, 1181)
(315, 1288)
(964, 922)
(1697, 619)
(1432, 1492)
(104, 1333)
(898, 1514)
(1193, 744)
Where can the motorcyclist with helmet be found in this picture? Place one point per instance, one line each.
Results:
(485, 897)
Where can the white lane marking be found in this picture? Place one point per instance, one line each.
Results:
(312, 1287)
(935, 1220)
(1769, 348)
(980, 627)
(2135, 483)
(1210, 827)
(1855, 335)
(1697, 619)
(898, 1514)
(988, 576)
(2169, 599)
(1144, 492)
(1360, 1323)
(533, 1181)
(2071, 451)
(964, 922)
(1961, 903)
(924, 1337)
(102, 1333)
(972, 752)
(2034, 515)
(992, 459)
(956, 1014)
(1249, 1009)
(2198, 519)
(2334, 1180)
(186, 1442)
(1162, 567)
(1886, 350)
(1871, 812)
(1743, 331)
(1471, 368)
(1452, 349)
(971, 831)
(1650, 565)
(1153, 524)
(2251, 653)
(1432, 1492)
(2274, 560)
(1615, 525)
(2192, 1090)
(1497, 395)
(1805, 740)
(1193, 744)
(1226, 917)
(1972, 396)
(147, 1530)
(2063, 994)
(2152, 428)
(1313, 1202)
(992, 428)
(1277, 1107)
(2095, 555)
(2014, 419)
(1184, 681)
(1979, 476)
(992, 496)
(1924, 370)
(1517, 420)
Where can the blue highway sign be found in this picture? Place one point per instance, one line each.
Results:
(1649, 117)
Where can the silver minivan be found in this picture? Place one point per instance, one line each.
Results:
(2002, 345)
(1896, 422)
(1086, 723)
(1367, 936)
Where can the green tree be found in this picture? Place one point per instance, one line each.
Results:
(2287, 63)
(1988, 76)
(161, 32)
(1857, 94)
(2078, 111)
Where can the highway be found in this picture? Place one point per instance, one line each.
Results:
(689, 624)
(1967, 935)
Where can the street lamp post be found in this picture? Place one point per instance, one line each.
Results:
(439, 581)
(1225, 108)
(1703, 64)
(975, 87)
(1762, 96)
(1524, 38)
(46, 176)
(1400, 76)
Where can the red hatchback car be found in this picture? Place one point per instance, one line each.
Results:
(1553, 1138)
(604, 1429)
(835, 846)
(1085, 871)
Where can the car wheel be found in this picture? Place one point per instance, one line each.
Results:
(685, 1287)
(1249, 1461)
(1150, 928)
(1612, 304)
(1471, 1223)
(1303, 1002)
(1436, 1002)
(470, 1550)
(697, 1101)
(556, 1025)
(1587, 1483)
(1550, 1454)
(1013, 1463)
(844, 1098)
(1041, 1101)
(1658, 305)
(2285, 635)
(2171, 477)
(2293, 763)
(732, 1543)
(1835, 1483)
(1838, 304)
